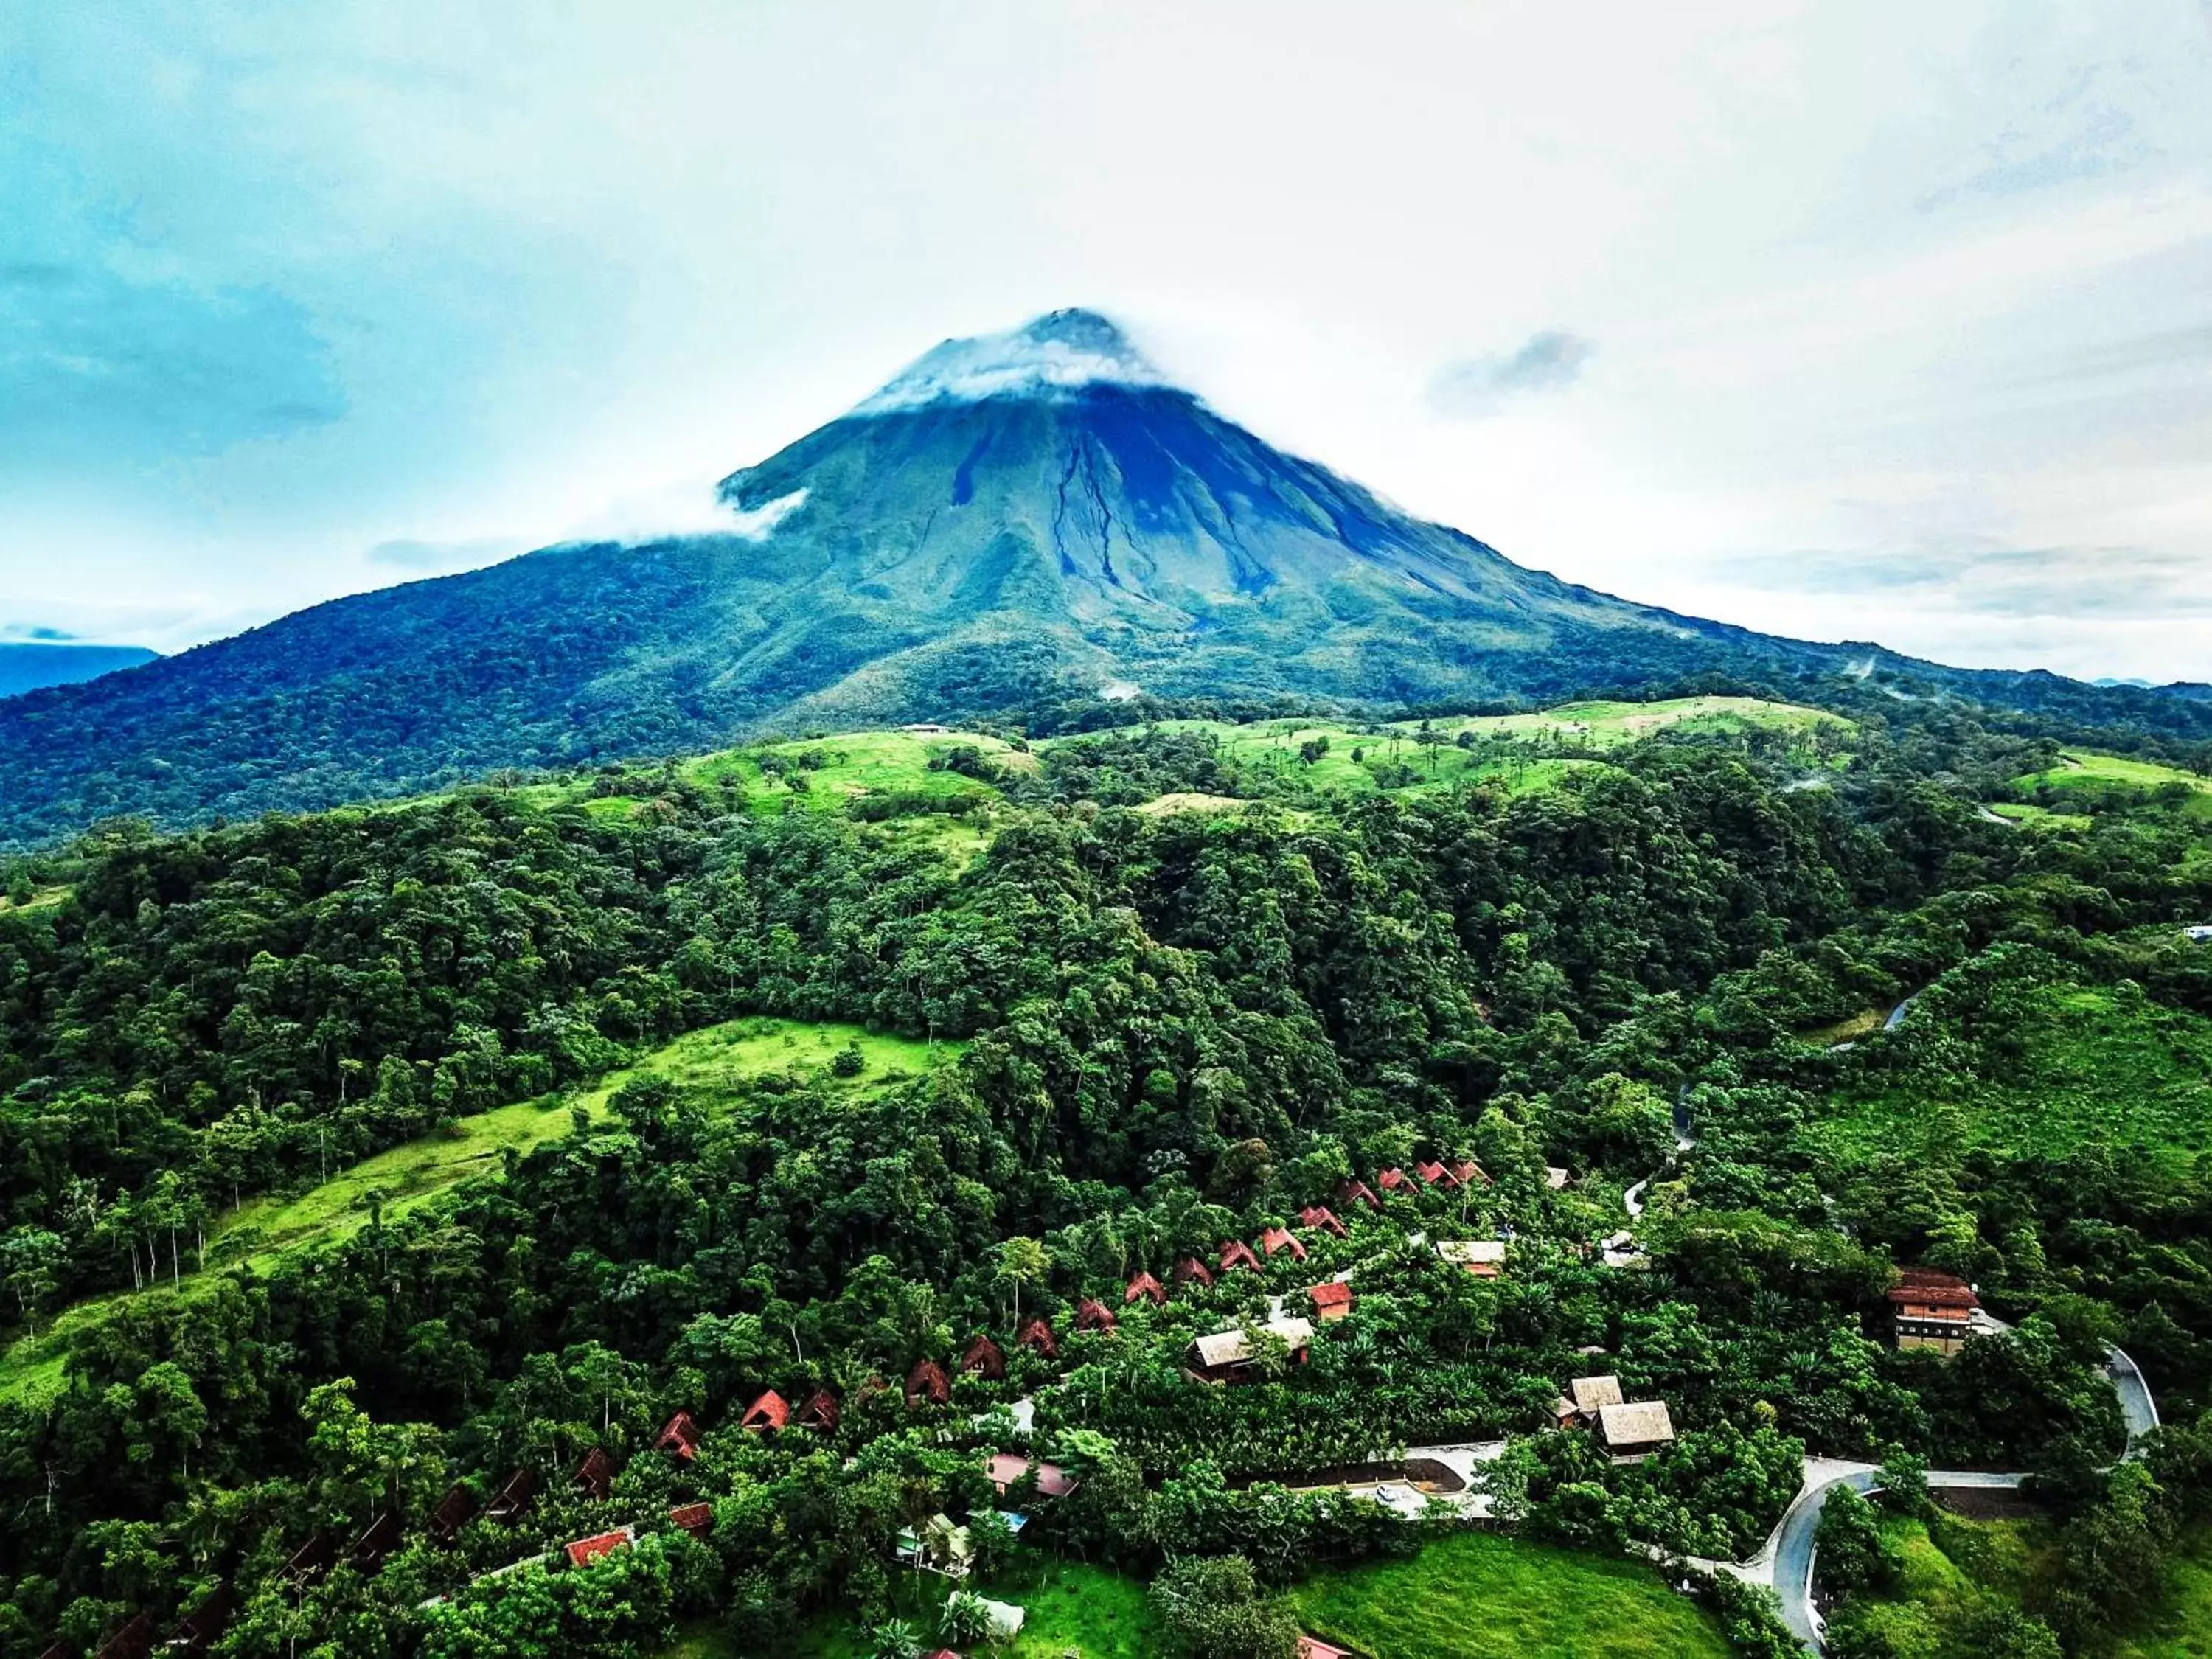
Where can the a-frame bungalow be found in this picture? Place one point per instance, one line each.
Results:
(926, 1383)
(984, 1358)
(1145, 1285)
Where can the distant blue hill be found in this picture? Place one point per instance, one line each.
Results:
(32, 665)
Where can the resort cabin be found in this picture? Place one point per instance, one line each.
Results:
(984, 1358)
(1469, 1172)
(585, 1551)
(203, 1626)
(1586, 1397)
(1276, 1239)
(1092, 1315)
(1555, 1177)
(697, 1519)
(595, 1476)
(927, 1384)
(679, 1436)
(133, 1641)
(1190, 1268)
(1332, 1301)
(770, 1411)
(938, 1546)
(514, 1498)
(1231, 1356)
(1436, 1175)
(1932, 1309)
(1636, 1429)
(1144, 1284)
(1483, 1257)
(1312, 1647)
(311, 1560)
(1007, 1468)
(455, 1510)
(820, 1411)
(1395, 1180)
(2200, 933)
(1319, 1217)
(1235, 1253)
(1036, 1335)
(370, 1549)
(1358, 1192)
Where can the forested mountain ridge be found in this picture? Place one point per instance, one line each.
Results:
(1014, 526)
(1183, 1027)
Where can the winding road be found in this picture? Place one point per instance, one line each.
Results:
(1785, 1561)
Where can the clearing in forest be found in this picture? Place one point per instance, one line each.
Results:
(267, 1229)
(1471, 1595)
(2053, 1069)
(2084, 776)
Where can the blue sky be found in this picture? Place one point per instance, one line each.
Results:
(1861, 319)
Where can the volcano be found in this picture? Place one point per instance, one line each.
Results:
(1032, 518)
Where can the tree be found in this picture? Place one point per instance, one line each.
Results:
(1023, 1261)
(1849, 1547)
(1212, 1608)
(964, 1620)
(31, 1260)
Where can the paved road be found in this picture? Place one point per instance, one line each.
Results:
(1790, 1552)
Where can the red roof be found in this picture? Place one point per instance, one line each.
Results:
(1312, 1647)
(1276, 1239)
(1436, 1175)
(941, 1653)
(984, 1358)
(1037, 1333)
(585, 1551)
(1189, 1268)
(770, 1411)
(927, 1381)
(1395, 1180)
(1236, 1253)
(595, 1475)
(1926, 1287)
(1468, 1170)
(1092, 1315)
(1358, 1192)
(680, 1435)
(1332, 1293)
(697, 1519)
(1144, 1284)
(820, 1411)
(1316, 1215)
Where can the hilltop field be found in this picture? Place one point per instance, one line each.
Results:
(935, 773)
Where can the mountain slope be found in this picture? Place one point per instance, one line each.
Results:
(1025, 516)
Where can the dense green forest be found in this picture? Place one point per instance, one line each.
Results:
(1015, 1019)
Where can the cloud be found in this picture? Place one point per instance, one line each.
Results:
(2116, 584)
(38, 633)
(1478, 388)
(96, 367)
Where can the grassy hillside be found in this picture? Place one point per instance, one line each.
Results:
(1474, 1596)
(2083, 777)
(2047, 1068)
(264, 1230)
(1526, 752)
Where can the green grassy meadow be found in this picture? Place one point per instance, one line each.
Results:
(1476, 1596)
(2084, 776)
(267, 1229)
(1073, 1608)
(2086, 1066)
